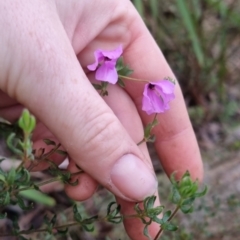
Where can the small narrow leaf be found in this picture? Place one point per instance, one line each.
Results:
(38, 197)
(121, 83)
(146, 233)
(6, 199)
(166, 216)
(88, 228)
(201, 194)
(61, 152)
(11, 176)
(170, 227)
(49, 142)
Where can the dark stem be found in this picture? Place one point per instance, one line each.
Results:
(170, 218)
(142, 141)
(146, 139)
(42, 229)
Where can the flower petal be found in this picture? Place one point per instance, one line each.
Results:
(107, 72)
(98, 58)
(165, 85)
(156, 96)
(152, 103)
(113, 54)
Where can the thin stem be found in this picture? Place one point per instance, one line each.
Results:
(42, 229)
(134, 79)
(44, 183)
(171, 217)
(64, 226)
(155, 117)
(144, 138)
(142, 141)
(25, 155)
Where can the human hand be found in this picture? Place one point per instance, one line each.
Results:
(42, 43)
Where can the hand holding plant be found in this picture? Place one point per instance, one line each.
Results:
(42, 73)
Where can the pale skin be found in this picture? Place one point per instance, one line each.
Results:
(45, 48)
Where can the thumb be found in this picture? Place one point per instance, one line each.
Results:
(43, 73)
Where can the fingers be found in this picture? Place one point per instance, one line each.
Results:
(175, 140)
(125, 110)
(50, 82)
(86, 186)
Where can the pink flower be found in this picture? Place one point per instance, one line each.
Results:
(157, 95)
(105, 63)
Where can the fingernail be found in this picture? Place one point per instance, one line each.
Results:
(133, 178)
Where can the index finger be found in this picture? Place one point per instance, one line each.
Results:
(175, 143)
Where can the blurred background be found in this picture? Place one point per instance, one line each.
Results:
(201, 41)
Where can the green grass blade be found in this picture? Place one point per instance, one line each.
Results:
(139, 6)
(154, 8)
(189, 24)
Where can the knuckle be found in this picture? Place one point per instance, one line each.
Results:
(102, 134)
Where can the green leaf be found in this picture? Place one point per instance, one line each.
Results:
(157, 220)
(61, 152)
(201, 194)
(88, 228)
(112, 210)
(149, 202)
(2, 178)
(115, 220)
(188, 201)
(147, 130)
(11, 176)
(23, 177)
(146, 233)
(6, 198)
(173, 179)
(166, 216)
(123, 69)
(175, 196)
(49, 142)
(154, 211)
(170, 227)
(12, 145)
(121, 83)
(38, 197)
(27, 122)
(119, 64)
(77, 215)
(137, 208)
(186, 208)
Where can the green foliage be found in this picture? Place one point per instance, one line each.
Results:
(122, 68)
(27, 122)
(184, 192)
(102, 87)
(113, 213)
(17, 187)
